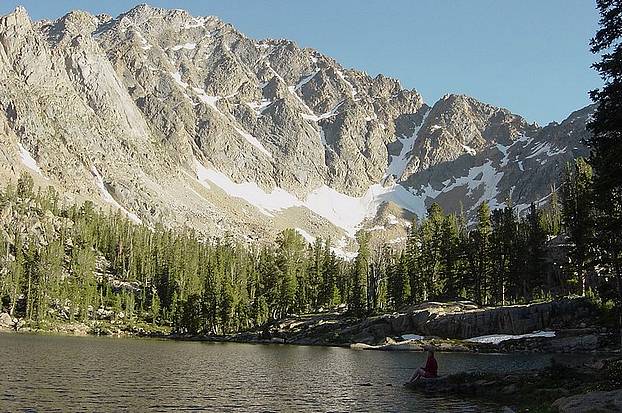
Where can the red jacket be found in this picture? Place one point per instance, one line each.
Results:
(431, 366)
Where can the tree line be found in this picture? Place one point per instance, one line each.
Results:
(79, 263)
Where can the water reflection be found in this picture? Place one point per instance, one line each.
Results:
(52, 373)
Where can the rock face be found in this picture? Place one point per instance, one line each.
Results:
(184, 120)
(459, 321)
(518, 319)
(597, 402)
(443, 324)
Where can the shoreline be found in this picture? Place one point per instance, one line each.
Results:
(560, 326)
(417, 346)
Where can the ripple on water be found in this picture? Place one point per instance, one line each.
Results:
(53, 373)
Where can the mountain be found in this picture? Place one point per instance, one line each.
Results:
(185, 121)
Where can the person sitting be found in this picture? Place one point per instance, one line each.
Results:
(429, 371)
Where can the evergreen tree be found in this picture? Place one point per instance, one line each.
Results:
(606, 140)
(358, 295)
(480, 262)
(450, 256)
(578, 218)
(431, 249)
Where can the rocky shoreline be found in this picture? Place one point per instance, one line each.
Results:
(94, 328)
(564, 388)
(561, 326)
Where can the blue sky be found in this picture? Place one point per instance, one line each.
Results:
(530, 56)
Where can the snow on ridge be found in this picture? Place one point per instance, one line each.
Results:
(339, 250)
(539, 149)
(343, 211)
(555, 151)
(196, 22)
(259, 107)
(348, 212)
(28, 160)
(106, 196)
(253, 141)
(353, 91)
(490, 178)
(398, 163)
(392, 219)
(185, 46)
(306, 79)
(144, 44)
(207, 99)
(316, 118)
(177, 78)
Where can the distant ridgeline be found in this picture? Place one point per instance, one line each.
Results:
(61, 264)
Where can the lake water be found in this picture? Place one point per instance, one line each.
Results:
(56, 373)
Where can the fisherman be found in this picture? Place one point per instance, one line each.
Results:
(429, 371)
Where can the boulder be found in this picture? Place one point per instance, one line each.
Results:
(6, 321)
(597, 402)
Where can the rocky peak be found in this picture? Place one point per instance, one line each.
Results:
(75, 23)
(17, 21)
(182, 119)
(458, 125)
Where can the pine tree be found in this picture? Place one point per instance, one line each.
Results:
(606, 140)
(536, 253)
(431, 245)
(450, 256)
(578, 218)
(480, 264)
(358, 295)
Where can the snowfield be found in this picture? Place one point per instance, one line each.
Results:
(499, 338)
(343, 211)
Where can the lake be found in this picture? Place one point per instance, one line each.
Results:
(57, 373)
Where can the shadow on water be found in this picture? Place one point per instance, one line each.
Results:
(55, 373)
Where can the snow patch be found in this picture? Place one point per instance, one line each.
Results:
(469, 150)
(28, 160)
(392, 219)
(106, 196)
(253, 141)
(343, 77)
(484, 174)
(499, 338)
(207, 99)
(202, 174)
(185, 46)
(177, 78)
(196, 22)
(316, 118)
(308, 237)
(412, 337)
(265, 202)
(340, 251)
(398, 163)
(306, 79)
(259, 107)
(343, 211)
